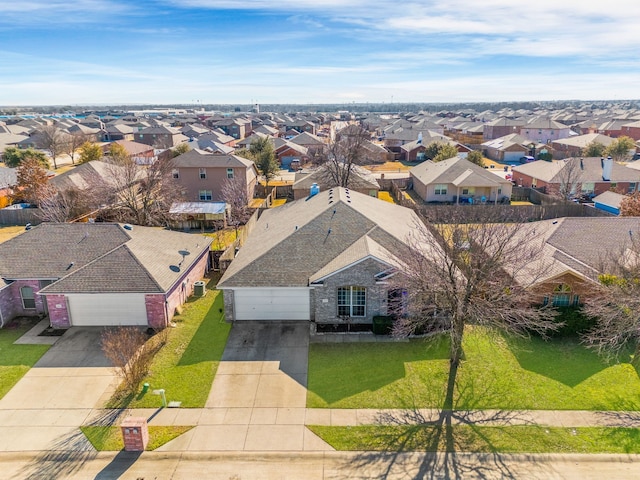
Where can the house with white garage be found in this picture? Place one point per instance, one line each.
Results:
(99, 274)
(326, 259)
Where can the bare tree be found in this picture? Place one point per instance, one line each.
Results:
(616, 303)
(569, 178)
(460, 274)
(73, 141)
(342, 155)
(53, 139)
(141, 195)
(234, 192)
(67, 205)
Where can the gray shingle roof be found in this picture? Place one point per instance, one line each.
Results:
(200, 158)
(290, 244)
(457, 171)
(99, 257)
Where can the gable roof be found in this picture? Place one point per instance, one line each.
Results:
(84, 175)
(590, 170)
(100, 258)
(201, 158)
(359, 178)
(301, 240)
(457, 171)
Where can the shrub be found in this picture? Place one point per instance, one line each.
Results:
(382, 325)
(574, 322)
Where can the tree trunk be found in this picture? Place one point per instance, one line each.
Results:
(457, 332)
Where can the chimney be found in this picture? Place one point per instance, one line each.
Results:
(607, 166)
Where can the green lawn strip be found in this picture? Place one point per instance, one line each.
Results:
(482, 439)
(498, 372)
(109, 438)
(16, 360)
(186, 365)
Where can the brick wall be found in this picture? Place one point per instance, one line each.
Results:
(11, 301)
(324, 299)
(58, 311)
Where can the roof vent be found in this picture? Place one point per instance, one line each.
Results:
(314, 190)
(126, 226)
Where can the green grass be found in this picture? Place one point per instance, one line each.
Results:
(186, 365)
(16, 360)
(497, 372)
(109, 438)
(484, 439)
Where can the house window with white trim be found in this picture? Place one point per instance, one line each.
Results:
(440, 189)
(563, 297)
(352, 301)
(28, 298)
(203, 173)
(229, 172)
(205, 195)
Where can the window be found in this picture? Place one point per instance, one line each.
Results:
(229, 172)
(562, 296)
(632, 187)
(440, 189)
(203, 173)
(499, 191)
(352, 301)
(205, 195)
(175, 173)
(588, 187)
(28, 297)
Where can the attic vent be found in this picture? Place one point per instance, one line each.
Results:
(126, 226)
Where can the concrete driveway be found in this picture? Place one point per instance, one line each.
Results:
(258, 397)
(43, 410)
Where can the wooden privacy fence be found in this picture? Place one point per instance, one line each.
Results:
(19, 216)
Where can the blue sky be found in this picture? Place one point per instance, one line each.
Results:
(267, 51)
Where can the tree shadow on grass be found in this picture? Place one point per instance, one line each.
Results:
(432, 446)
(340, 371)
(563, 360)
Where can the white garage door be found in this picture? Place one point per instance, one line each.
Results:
(107, 309)
(272, 304)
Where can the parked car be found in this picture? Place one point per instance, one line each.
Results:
(527, 159)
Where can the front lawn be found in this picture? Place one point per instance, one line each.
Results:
(482, 439)
(16, 360)
(186, 365)
(498, 372)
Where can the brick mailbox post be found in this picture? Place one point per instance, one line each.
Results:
(135, 434)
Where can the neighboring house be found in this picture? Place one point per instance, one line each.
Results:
(202, 174)
(160, 137)
(237, 128)
(609, 202)
(457, 180)
(86, 175)
(631, 130)
(589, 175)
(9, 140)
(613, 128)
(313, 144)
(8, 179)
(99, 274)
(324, 259)
(574, 146)
(141, 153)
(501, 127)
(508, 149)
(360, 179)
(118, 132)
(544, 130)
(290, 154)
(575, 249)
(394, 140)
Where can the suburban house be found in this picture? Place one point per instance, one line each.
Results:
(360, 180)
(119, 131)
(544, 130)
(202, 174)
(160, 137)
(574, 252)
(141, 153)
(290, 154)
(309, 141)
(99, 274)
(324, 259)
(457, 180)
(501, 127)
(589, 175)
(632, 130)
(574, 146)
(507, 149)
(234, 127)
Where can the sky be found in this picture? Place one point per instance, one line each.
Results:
(79, 52)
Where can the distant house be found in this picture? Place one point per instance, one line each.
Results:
(457, 180)
(237, 128)
(508, 149)
(573, 146)
(322, 260)
(589, 175)
(631, 130)
(313, 144)
(99, 274)
(141, 153)
(119, 131)
(543, 130)
(288, 153)
(202, 174)
(160, 137)
(501, 127)
(360, 180)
